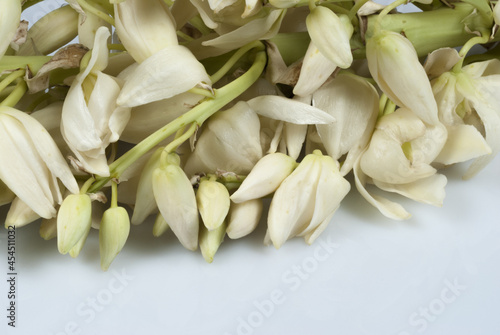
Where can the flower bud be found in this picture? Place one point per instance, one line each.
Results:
(213, 202)
(265, 177)
(243, 218)
(176, 200)
(144, 27)
(394, 65)
(75, 251)
(73, 221)
(331, 34)
(20, 214)
(160, 226)
(48, 229)
(210, 241)
(113, 233)
(9, 21)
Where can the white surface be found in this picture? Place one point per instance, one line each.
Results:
(379, 277)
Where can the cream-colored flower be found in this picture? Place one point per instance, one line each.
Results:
(230, 141)
(331, 34)
(113, 233)
(32, 163)
(176, 200)
(353, 102)
(210, 241)
(91, 120)
(394, 64)
(10, 16)
(6, 195)
(265, 177)
(73, 222)
(306, 198)
(469, 107)
(398, 159)
(19, 214)
(144, 27)
(243, 218)
(213, 202)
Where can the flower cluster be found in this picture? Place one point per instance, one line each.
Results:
(197, 111)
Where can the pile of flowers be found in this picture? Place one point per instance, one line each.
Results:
(194, 111)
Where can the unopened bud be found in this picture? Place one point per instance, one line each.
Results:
(73, 221)
(213, 203)
(113, 233)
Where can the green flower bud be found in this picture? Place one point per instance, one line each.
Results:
(73, 221)
(113, 233)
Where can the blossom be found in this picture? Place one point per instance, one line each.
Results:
(243, 218)
(394, 65)
(74, 220)
(113, 233)
(213, 202)
(91, 120)
(32, 163)
(176, 200)
(306, 199)
(144, 27)
(399, 159)
(469, 107)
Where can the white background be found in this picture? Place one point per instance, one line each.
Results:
(437, 273)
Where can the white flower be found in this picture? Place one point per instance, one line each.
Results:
(243, 218)
(398, 159)
(331, 34)
(394, 64)
(265, 177)
(144, 27)
(306, 198)
(32, 163)
(10, 16)
(469, 107)
(91, 120)
(210, 241)
(213, 202)
(20, 214)
(73, 222)
(168, 72)
(230, 141)
(353, 102)
(113, 233)
(176, 200)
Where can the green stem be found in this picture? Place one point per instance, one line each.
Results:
(93, 10)
(172, 146)
(234, 58)
(198, 115)
(114, 194)
(467, 46)
(386, 11)
(86, 186)
(11, 78)
(34, 63)
(16, 95)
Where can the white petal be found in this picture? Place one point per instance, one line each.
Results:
(440, 61)
(168, 72)
(388, 208)
(243, 218)
(331, 34)
(265, 177)
(428, 190)
(20, 214)
(288, 110)
(261, 28)
(315, 71)
(176, 200)
(9, 21)
(295, 136)
(213, 203)
(464, 142)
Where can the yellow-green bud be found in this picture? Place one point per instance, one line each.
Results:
(73, 221)
(211, 240)
(213, 203)
(113, 233)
